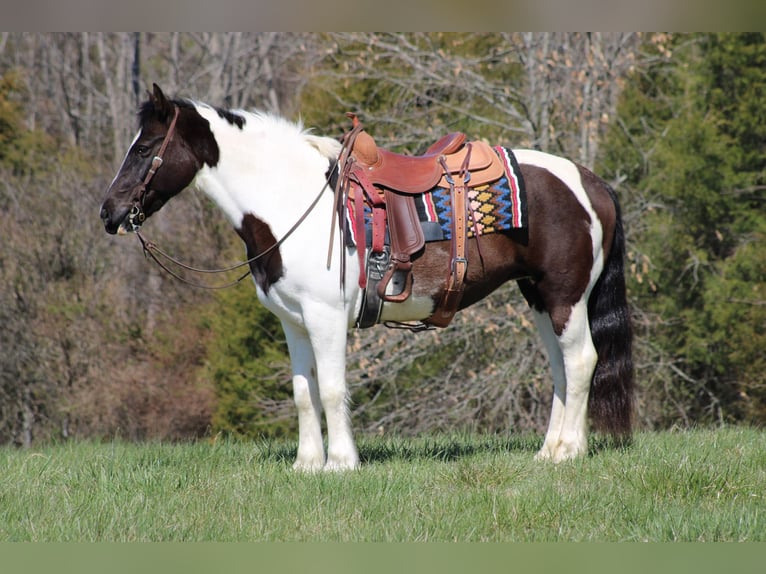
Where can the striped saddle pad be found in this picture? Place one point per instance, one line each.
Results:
(495, 207)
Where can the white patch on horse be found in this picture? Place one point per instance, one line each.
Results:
(413, 309)
(556, 360)
(328, 147)
(572, 354)
(271, 168)
(124, 159)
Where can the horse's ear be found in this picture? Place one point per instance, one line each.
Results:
(161, 104)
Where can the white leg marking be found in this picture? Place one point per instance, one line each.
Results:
(556, 360)
(328, 337)
(306, 396)
(579, 362)
(576, 346)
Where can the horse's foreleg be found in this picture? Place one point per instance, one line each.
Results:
(329, 342)
(306, 396)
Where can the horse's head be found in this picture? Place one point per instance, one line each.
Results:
(172, 145)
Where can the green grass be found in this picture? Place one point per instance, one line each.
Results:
(679, 486)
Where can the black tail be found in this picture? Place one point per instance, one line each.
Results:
(610, 404)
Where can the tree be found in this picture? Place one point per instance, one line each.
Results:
(551, 91)
(247, 365)
(693, 146)
(47, 268)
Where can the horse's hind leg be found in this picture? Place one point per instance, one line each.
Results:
(567, 436)
(556, 360)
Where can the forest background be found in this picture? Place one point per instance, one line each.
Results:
(98, 343)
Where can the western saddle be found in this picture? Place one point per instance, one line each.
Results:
(387, 182)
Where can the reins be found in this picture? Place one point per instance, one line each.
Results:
(151, 250)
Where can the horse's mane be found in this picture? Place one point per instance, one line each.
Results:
(328, 147)
(245, 119)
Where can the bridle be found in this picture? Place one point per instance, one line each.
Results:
(136, 216)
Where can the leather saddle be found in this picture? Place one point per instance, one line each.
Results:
(413, 175)
(387, 182)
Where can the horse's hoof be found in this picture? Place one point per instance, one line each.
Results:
(563, 457)
(561, 452)
(543, 455)
(569, 451)
(341, 465)
(546, 452)
(308, 465)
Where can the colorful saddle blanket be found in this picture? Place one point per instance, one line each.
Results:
(499, 206)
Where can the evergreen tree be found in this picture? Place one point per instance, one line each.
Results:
(248, 366)
(691, 150)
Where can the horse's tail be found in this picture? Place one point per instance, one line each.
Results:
(610, 403)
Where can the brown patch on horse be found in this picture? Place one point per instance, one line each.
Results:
(551, 260)
(491, 263)
(258, 237)
(559, 256)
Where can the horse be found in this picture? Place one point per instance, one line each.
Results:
(268, 175)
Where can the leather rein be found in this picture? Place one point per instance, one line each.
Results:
(136, 217)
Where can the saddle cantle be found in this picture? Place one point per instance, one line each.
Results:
(406, 174)
(387, 182)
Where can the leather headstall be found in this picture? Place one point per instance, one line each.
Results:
(136, 217)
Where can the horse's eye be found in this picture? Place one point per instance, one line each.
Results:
(142, 150)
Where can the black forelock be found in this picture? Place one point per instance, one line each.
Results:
(147, 111)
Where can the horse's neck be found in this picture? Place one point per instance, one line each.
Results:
(268, 169)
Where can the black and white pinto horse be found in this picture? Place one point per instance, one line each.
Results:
(266, 173)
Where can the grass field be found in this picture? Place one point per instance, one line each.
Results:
(676, 486)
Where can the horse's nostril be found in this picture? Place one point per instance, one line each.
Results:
(104, 214)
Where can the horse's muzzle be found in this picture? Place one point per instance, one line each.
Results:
(112, 224)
